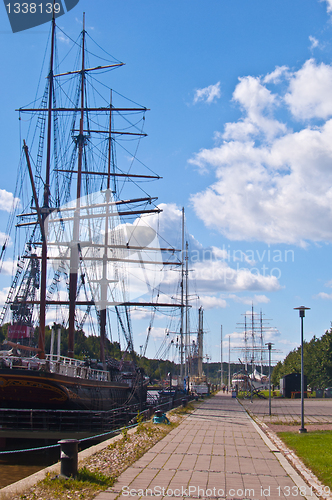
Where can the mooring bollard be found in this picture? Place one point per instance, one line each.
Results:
(69, 457)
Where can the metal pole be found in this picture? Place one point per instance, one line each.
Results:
(221, 371)
(269, 345)
(229, 363)
(182, 297)
(270, 380)
(187, 335)
(302, 429)
(59, 344)
(302, 310)
(252, 379)
(52, 342)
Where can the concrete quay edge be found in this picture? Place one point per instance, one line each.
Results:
(292, 464)
(296, 470)
(21, 486)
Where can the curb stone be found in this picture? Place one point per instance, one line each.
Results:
(21, 486)
(291, 457)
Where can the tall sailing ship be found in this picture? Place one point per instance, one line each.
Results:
(89, 250)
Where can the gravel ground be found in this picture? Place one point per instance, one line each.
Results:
(295, 427)
(109, 463)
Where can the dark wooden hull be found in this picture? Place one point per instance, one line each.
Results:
(39, 389)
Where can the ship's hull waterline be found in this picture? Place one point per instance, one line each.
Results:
(38, 389)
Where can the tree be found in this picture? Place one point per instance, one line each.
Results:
(3, 332)
(317, 362)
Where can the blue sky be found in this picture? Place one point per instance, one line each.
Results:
(239, 127)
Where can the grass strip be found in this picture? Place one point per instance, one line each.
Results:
(101, 470)
(315, 450)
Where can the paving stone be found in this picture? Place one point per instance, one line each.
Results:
(216, 448)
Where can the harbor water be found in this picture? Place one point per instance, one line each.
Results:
(16, 466)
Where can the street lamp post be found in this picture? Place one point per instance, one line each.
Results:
(252, 379)
(302, 310)
(269, 346)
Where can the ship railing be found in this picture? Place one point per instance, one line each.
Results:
(98, 375)
(72, 421)
(71, 367)
(12, 362)
(89, 421)
(64, 360)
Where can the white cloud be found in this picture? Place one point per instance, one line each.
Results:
(329, 5)
(217, 276)
(310, 93)
(324, 295)
(276, 75)
(8, 267)
(257, 103)
(215, 270)
(220, 253)
(208, 94)
(288, 342)
(140, 314)
(234, 340)
(256, 299)
(63, 38)
(212, 302)
(3, 238)
(7, 200)
(3, 295)
(265, 184)
(157, 332)
(314, 42)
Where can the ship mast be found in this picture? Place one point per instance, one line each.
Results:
(187, 334)
(182, 297)
(74, 256)
(46, 208)
(104, 282)
(72, 216)
(200, 343)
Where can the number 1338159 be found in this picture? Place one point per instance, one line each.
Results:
(32, 8)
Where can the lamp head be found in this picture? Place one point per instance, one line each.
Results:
(302, 310)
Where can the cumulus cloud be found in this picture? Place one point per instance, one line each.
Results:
(3, 296)
(218, 276)
(257, 103)
(314, 42)
(256, 299)
(309, 93)
(209, 302)
(329, 5)
(4, 237)
(267, 175)
(219, 273)
(276, 75)
(8, 267)
(324, 295)
(157, 332)
(7, 200)
(208, 94)
(214, 269)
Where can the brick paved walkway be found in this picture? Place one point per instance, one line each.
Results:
(216, 452)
